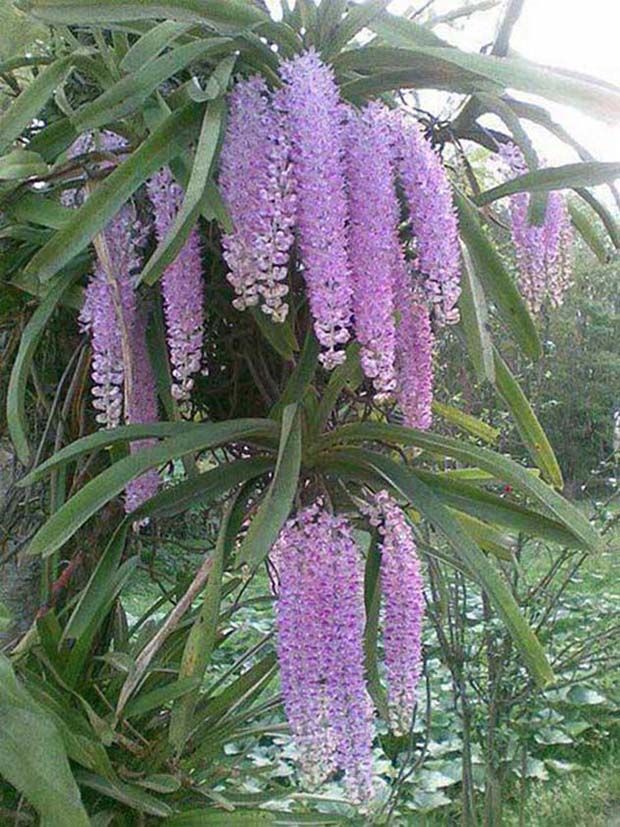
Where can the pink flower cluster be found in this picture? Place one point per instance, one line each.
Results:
(320, 622)
(403, 598)
(543, 252)
(256, 183)
(123, 378)
(181, 287)
(338, 175)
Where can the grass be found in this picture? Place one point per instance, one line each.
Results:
(591, 797)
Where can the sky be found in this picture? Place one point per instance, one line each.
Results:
(581, 35)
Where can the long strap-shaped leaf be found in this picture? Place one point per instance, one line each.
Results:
(216, 12)
(475, 320)
(15, 400)
(30, 102)
(130, 433)
(586, 174)
(585, 93)
(397, 476)
(176, 237)
(96, 493)
(203, 489)
(500, 466)
(477, 501)
(130, 92)
(277, 502)
(496, 282)
(200, 642)
(527, 423)
(108, 197)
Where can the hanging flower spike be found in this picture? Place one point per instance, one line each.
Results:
(141, 402)
(98, 317)
(257, 185)
(181, 287)
(320, 621)
(542, 252)
(108, 312)
(403, 598)
(373, 242)
(302, 652)
(433, 221)
(414, 350)
(314, 119)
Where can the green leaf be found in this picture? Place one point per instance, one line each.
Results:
(203, 489)
(466, 422)
(149, 46)
(30, 102)
(200, 642)
(404, 69)
(588, 232)
(100, 490)
(472, 499)
(130, 92)
(16, 393)
(109, 196)
(475, 320)
(159, 698)
(185, 219)
(586, 174)
(128, 794)
(301, 378)
(486, 536)
(500, 466)
(585, 93)
(357, 18)
(348, 374)
(21, 164)
(218, 13)
(280, 336)
(425, 501)
(496, 281)
(5, 618)
(96, 597)
(80, 652)
(41, 771)
(400, 31)
(276, 505)
(40, 210)
(131, 433)
(530, 429)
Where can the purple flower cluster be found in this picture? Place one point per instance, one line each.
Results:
(123, 379)
(256, 183)
(433, 221)
(122, 374)
(543, 252)
(403, 598)
(314, 118)
(373, 242)
(334, 180)
(414, 354)
(181, 286)
(320, 622)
